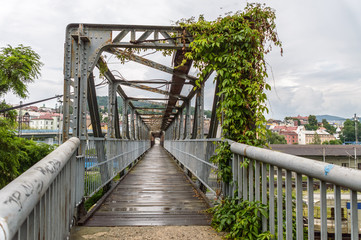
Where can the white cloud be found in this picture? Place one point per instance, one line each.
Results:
(320, 71)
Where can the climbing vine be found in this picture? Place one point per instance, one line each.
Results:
(234, 47)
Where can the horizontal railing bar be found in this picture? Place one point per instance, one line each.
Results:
(197, 158)
(201, 140)
(110, 159)
(341, 176)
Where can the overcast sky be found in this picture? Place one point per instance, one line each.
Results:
(319, 73)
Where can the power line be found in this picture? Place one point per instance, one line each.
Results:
(27, 104)
(42, 100)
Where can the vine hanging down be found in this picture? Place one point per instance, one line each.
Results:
(234, 47)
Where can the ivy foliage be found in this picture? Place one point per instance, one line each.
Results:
(241, 219)
(234, 47)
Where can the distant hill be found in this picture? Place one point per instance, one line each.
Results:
(103, 101)
(329, 118)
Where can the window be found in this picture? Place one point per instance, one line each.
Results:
(344, 164)
(359, 166)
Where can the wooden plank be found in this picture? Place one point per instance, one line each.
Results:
(155, 192)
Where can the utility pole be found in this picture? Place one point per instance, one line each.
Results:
(59, 122)
(355, 118)
(20, 120)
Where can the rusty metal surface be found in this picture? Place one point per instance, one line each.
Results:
(156, 192)
(177, 86)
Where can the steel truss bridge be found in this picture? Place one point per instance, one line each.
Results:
(47, 200)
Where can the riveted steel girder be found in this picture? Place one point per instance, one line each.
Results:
(84, 45)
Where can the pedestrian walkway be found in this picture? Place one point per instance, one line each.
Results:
(155, 192)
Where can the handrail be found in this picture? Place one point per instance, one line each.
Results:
(20, 197)
(283, 182)
(341, 176)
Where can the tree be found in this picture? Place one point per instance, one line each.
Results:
(18, 66)
(275, 138)
(316, 139)
(330, 129)
(312, 123)
(332, 142)
(348, 131)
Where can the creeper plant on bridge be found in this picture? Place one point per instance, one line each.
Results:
(234, 47)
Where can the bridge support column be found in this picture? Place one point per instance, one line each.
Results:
(176, 120)
(132, 130)
(111, 110)
(213, 126)
(181, 124)
(125, 125)
(187, 120)
(195, 119)
(137, 126)
(200, 114)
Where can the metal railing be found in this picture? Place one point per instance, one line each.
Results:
(104, 159)
(195, 155)
(40, 203)
(298, 191)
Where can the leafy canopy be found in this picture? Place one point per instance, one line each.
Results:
(312, 123)
(18, 66)
(348, 131)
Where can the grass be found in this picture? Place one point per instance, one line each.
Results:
(93, 199)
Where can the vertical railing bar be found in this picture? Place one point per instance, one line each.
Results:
(57, 207)
(50, 210)
(354, 216)
(310, 208)
(257, 181)
(279, 204)
(245, 179)
(35, 220)
(271, 200)
(251, 180)
(62, 201)
(264, 194)
(299, 207)
(47, 227)
(240, 175)
(41, 219)
(337, 209)
(234, 175)
(323, 210)
(288, 204)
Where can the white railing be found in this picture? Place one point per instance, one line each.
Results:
(40, 203)
(274, 178)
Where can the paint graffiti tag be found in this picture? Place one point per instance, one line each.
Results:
(36, 186)
(49, 168)
(15, 198)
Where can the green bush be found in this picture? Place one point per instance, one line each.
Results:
(18, 154)
(241, 219)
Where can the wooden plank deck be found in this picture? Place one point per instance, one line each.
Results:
(155, 192)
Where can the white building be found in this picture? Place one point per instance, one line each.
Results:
(46, 121)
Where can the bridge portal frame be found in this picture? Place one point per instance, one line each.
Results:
(84, 44)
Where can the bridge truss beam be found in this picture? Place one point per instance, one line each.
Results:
(84, 46)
